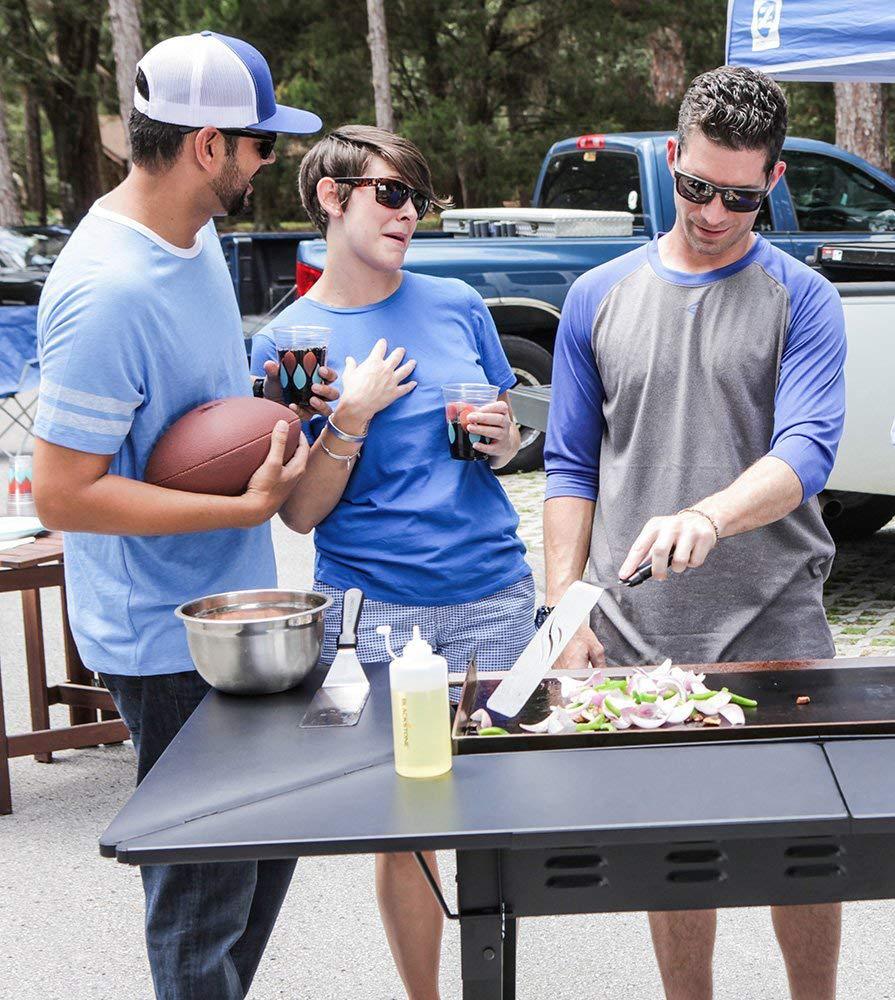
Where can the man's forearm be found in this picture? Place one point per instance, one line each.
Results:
(765, 492)
(568, 522)
(115, 505)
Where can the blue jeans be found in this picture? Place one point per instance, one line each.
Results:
(206, 924)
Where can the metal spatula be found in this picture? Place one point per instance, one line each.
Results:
(553, 636)
(345, 689)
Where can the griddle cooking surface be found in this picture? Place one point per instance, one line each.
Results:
(846, 701)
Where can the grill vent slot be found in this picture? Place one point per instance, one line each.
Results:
(694, 856)
(810, 851)
(575, 862)
(830, 870)
(581, 881)
(684, 876)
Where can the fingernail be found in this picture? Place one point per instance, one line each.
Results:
(281, 426)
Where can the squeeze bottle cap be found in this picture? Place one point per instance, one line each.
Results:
(417, 647)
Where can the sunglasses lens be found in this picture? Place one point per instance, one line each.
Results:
(392, 194)
(420, 203)
(741, 201)
(693, 190)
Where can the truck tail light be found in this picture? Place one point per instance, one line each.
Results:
(305, 276)
(591, 141)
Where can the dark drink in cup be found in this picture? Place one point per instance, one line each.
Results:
(301, 353)
(461, 399)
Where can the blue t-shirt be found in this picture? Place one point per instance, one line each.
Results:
(415, 526)
(809, 401)
(133, 333)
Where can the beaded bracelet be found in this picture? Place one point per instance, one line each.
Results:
(708, 517)
(343, 435)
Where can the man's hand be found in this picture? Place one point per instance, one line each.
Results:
(685, 539)
(324, 394)
(273, 482)
(584, 651)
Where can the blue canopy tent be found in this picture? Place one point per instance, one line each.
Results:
(819, 40)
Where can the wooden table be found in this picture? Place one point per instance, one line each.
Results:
(30, 568)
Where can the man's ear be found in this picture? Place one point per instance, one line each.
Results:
(209, 148)
(671, 152)
(778, 171)
(328, 196)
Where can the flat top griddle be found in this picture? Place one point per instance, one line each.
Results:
(847, 699)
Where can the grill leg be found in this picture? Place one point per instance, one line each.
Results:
(487, 940)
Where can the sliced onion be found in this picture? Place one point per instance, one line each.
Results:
(481, 717)
(734, 714)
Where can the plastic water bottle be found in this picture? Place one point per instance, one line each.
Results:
(421, 718)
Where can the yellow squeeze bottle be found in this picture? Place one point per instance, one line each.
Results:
(421, 721)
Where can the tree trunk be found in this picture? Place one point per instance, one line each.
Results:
(35, 177)
(127, 46)
(861, 125)
(377, 39)
(668, 73)
(76, 138)
(10, 206)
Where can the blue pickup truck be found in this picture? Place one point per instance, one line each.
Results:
(826, 195)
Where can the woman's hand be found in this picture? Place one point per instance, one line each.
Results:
(376, 382)
(323, 393)
(495, 422)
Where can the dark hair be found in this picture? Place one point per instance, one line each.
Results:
(737, 107)
(155, 146)
(346, 152)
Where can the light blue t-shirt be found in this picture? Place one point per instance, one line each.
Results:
(415, 526)
(133, 333)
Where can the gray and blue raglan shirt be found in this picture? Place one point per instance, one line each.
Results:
(666, 387)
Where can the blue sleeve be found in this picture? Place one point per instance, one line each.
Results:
(494, 361)
(809, 406)
(263, 349)
(575, 422)
(91, 347)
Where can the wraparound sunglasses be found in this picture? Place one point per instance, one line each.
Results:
(391, 193)
(266, 140)
(734, 199)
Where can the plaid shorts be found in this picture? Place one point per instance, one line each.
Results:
(496, 628)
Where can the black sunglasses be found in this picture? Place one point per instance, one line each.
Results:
(734, 199)
(266, 140)
(391, 193)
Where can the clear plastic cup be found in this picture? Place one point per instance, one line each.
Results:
(301, 352)
(19, 498)
(460, 399)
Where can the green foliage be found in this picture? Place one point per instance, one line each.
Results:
(483, 86)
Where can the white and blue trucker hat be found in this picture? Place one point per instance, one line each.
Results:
(211, 79)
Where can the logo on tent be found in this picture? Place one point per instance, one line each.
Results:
(766, 24)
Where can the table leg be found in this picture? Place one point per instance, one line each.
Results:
(487, 973)
(35, 661)
(75, 671)
(5, 788)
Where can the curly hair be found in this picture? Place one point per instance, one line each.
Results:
(737, 107)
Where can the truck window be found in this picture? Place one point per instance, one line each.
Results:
(832, 195)
(601, 180)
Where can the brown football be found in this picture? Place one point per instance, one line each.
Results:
(217, 447)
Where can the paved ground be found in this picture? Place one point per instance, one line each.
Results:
(70, 922)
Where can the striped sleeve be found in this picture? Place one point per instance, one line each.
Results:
(92, 353)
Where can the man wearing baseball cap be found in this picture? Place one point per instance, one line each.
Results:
(137, 325)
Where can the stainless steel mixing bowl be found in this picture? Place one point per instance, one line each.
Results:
(237, 648)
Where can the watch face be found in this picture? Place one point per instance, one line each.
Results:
(542, 614)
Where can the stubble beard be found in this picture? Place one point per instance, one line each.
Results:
(231, 189)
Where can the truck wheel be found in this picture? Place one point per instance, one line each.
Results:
(532, 365)
(852, 516)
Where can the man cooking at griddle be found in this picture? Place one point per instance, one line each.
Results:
(697, 404)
